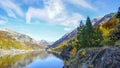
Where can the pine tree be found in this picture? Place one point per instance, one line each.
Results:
(88, 36)
(79, 35)
(85, 33)
(118, 14)
(89, 32)
(81, 24)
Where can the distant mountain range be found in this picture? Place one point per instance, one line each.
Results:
(45, 43)
(73, 34)
(18, 38)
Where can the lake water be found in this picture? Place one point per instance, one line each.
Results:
(36, 59)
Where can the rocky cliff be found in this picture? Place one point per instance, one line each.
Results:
(108, 57)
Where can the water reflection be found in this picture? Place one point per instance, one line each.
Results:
(37, 59)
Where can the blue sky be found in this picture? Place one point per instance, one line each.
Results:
(51, 19)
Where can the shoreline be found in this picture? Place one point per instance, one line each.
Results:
(15, 51)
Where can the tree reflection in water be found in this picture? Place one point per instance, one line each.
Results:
(21, 60)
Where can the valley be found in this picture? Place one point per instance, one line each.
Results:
(71, 47)
(59, 34)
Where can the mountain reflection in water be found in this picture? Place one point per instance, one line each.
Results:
(36, 59)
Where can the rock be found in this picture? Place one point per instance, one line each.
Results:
(107, 58)
(65, 54)
(97, 58)
(84, 65)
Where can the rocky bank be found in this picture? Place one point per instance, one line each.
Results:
(105, 57)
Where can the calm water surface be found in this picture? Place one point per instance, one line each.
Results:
(36, 59)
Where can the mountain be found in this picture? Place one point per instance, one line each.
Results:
(98, 57)
(6, 42)
(45, 43)
(21, 38)
(18, 36)
(97, 21)
(66, 37)
(73, 34)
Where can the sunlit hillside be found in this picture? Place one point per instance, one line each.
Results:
(6, 42)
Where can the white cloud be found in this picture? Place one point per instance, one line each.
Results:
(11, 8)
(54, 12)
(2, 22)
(37, 13)
(67, 29)
(3, 18)
(11, 13)
(53, 8)
(73, 20)
(82, 3)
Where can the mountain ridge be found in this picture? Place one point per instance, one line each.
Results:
(68, 36)
(19, 38)
(95, 22)
(45, 43)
